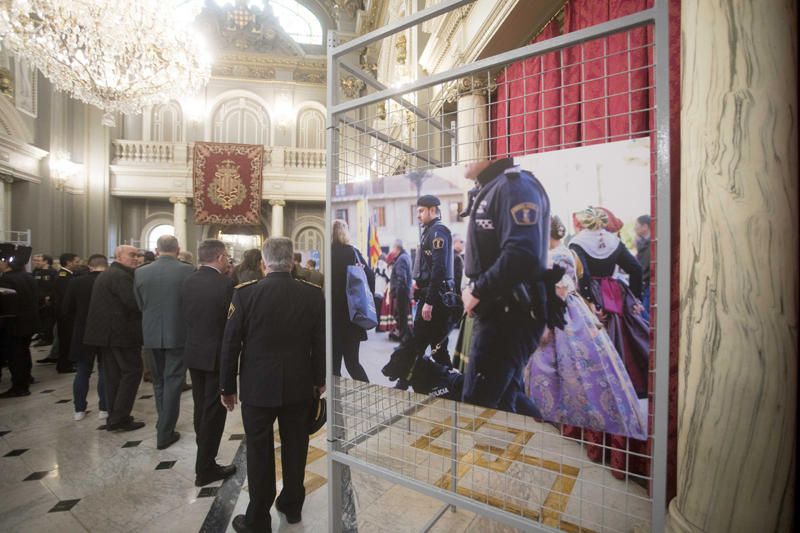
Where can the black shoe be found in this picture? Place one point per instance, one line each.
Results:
(172, 440)
(185, 387)
(240, 525)
(216, 474)
(125, 426)
(47, 361)
(292, 518)
(42, 342)
(15, 393)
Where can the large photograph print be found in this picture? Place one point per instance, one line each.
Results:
(526, 291)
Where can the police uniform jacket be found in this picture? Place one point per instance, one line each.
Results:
(434, 264)
(24, 305)
(114, 318)
(158, 293)
(76, 304)
(45, 282)
(205, 298)
(508, 232)
(62, 281)
(277, 324)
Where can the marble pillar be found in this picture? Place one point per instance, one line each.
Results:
(473, 125)
(5, 204)
(277, 217)
(739, 274)
(179, 220)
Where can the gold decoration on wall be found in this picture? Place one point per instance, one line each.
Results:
(381, 110)
(6, 82)
(400, 46)
(351, 86)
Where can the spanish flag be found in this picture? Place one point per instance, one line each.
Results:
(373, 245)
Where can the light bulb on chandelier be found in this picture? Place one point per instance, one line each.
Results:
(118, 56)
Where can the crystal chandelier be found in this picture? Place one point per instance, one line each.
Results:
(118, 56)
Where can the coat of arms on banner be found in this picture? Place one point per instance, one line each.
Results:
(227, 183)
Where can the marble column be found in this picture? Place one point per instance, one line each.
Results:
(179, 220)
(5, 205)
(739, 274)
(277, 217)
(472, 134)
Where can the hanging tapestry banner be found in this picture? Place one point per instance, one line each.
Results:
(227, 183)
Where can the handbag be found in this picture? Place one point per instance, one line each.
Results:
(360, 301)
(318, 415)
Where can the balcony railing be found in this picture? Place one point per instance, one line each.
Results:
(166, 153)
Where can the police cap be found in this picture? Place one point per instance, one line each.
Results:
(428, 200)
(15, 254)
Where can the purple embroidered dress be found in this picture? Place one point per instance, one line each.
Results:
(577, 377)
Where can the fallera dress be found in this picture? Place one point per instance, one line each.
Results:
(577, 377)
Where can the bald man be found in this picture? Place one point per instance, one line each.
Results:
(114, 324)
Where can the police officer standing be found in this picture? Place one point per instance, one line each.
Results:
(433, 273)
(45, 276)
(506, 258)
(69, 263)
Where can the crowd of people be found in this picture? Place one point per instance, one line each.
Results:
(260, 323)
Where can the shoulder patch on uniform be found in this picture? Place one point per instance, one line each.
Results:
(231, 310)
(525, 214)
(246, 283)
(309, 283)
(63, 274)
(438, 243)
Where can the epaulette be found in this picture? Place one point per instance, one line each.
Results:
(246, 283)
(63, 274)
(309, 283)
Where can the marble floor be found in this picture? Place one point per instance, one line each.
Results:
(59, 474)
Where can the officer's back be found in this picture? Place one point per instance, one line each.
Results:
(278, 324)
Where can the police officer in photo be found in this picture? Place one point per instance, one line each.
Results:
(506, 263)
(433, 273)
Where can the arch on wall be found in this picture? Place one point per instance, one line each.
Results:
(154, 220)
(310, 127)
(239, 99)
(166, 124)
(308, 234)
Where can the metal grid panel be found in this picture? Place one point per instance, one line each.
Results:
(507, 466)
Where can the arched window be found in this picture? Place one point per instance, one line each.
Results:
(309, 243)
(297, 21)
(310, 129)
(241, 120)
(156, 232)
(167, 122)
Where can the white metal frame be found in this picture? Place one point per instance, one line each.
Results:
(338, 461)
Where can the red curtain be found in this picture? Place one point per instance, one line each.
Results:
(597, 92)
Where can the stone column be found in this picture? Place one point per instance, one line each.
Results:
(739, 274)
(472, 133)
(5, 205)
(277, 217)
(179, 220)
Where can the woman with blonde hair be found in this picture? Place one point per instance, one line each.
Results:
(347, 337)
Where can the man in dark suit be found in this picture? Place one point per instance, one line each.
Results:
(114, 324)
(20, 321)
(45, 276)
(400, 290)
(205, 298)
(157, 288)
(76, 303)
(66, 272)
(277, 324)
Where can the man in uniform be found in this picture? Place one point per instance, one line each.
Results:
(45, 276)
(506, 263)
(275, 337)
(20, 321)
(433, 272)
(66, 272)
